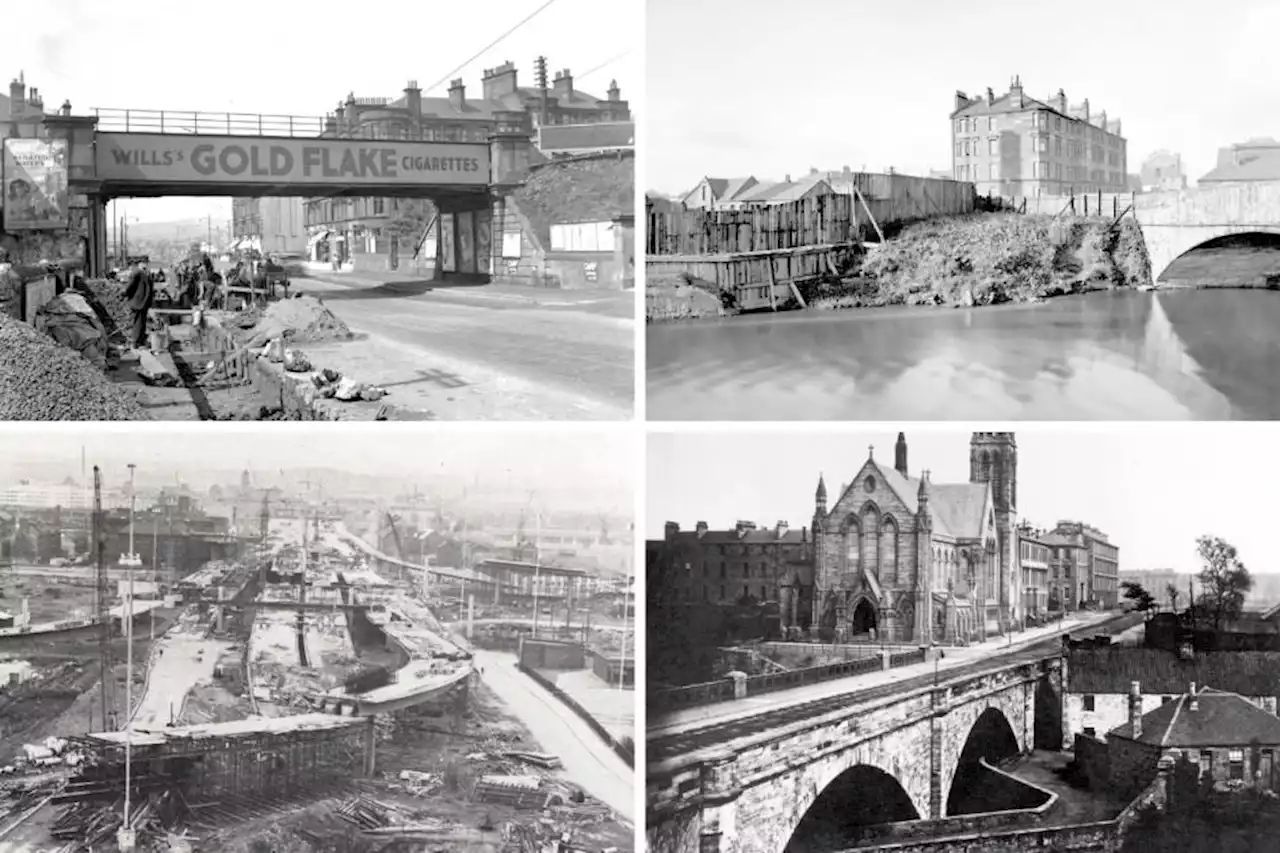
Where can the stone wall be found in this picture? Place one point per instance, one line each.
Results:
(775, 779)
(1132, 765)
(1094, 760)
(1176, 222)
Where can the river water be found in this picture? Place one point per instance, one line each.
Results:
(1209, 354)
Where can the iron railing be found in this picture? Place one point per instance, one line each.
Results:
(228, 124)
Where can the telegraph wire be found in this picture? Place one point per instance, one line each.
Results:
(491, 44)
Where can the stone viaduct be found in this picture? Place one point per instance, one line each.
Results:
(1175, 222)
(750, 794)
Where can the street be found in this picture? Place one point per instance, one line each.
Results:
(588, 761)
(526, 352)
(186, 661)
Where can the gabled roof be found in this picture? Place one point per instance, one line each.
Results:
(758, 536)
(1006, 103)
(734, 187)
(958, 510)
(587, 137)
(798, 189)
(1218, 719)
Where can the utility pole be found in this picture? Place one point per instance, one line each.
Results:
(126, 837)
(537, 567)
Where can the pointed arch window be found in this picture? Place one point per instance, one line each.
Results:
(889, 543)
(870, 528)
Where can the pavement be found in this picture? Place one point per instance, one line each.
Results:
(692, 719)
(588, 761)
(483, 352)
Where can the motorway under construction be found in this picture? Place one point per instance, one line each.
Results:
(289, 699)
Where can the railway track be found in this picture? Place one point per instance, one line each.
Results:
(666, 747)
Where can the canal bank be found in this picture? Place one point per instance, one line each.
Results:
(964, 261)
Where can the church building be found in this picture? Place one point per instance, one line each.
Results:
(909, 560)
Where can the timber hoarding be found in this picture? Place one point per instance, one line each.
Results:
(145, 158)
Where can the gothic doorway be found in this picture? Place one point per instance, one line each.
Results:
(864, 617)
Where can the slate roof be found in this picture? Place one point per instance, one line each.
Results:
(591, 188)
(478, 108)
(1113, 669)
(587, 137)
(759, 536)
(957, 508)
(1009, 103)
(1218, 719)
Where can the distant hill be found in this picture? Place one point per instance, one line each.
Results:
(177, 231)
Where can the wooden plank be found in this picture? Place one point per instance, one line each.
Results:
(773, 284)
(874, 224)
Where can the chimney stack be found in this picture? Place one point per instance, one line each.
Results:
(457, 93)
(671, 530)
(1194, 704)
(1135, 708)
(701, 528)
(991, 95)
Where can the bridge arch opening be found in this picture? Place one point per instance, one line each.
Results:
(1251, 257)
(864, 617)
(991, 739)
(860, 796)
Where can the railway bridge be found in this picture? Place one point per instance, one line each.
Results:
(1175, 222)
(901, 752)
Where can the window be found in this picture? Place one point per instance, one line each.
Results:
(764, 593)
(966, 148)
(1090, 731)
(1206, 762)
(991, 122)
(993, 146)
(722, 592)
(1088, 703)
(995, 171)
(959, 147)
(1042, 144)
(1235, 762)
(1165, 700)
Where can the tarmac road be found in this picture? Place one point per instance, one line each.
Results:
(576, 348)
(588, 762)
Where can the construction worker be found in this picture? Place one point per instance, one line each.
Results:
(141, 294)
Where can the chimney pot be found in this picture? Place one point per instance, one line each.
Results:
(1135, 709)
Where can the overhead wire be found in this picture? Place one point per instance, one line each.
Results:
(490, 45)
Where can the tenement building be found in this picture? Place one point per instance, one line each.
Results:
(748, 564)
(1087, 565)
(915, 560)
(344, 227)
(1014, 145)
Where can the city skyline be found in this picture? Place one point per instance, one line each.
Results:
(62, 55)
(833, 119)
(565, 465)
(1146, 506)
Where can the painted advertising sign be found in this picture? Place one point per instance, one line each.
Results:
(169, 158)
(35, 184)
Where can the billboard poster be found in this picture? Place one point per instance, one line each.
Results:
(156, 158)
(449, 258)
(35, 184)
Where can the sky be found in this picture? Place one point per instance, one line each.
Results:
(1152, 489)
(286, 57)
(549, 461)
(768, 90)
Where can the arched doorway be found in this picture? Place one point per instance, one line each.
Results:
(860, 796)
(864, 617)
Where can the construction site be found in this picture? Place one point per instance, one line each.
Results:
(286, 691)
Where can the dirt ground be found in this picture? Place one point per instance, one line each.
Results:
(457, 751)
(48, 599)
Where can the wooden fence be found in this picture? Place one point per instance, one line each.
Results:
(1080, 204)
(829, 220)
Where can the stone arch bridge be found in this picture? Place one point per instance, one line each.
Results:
(1175, 222)
(749, 794)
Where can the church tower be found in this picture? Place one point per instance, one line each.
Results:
(993, 458)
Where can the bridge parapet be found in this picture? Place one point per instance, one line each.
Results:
(189, 121)
(1177, 221)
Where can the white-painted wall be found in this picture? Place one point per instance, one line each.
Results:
(1112, 709)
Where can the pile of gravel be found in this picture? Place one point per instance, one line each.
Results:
(42, 381)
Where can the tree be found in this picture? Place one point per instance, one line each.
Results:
(1224, 580)
(1173, 592)
(1143, 601)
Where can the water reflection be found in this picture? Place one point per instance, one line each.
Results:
(1204, 355)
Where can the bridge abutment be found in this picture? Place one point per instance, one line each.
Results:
(718, 830)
